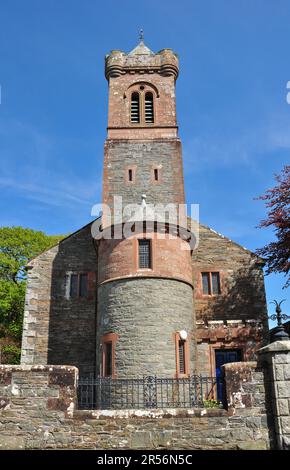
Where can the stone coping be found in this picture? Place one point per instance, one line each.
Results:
(37, 367)
(144, 275)
(200, 323)
(157, 413)
(240, 365)
(275, 347)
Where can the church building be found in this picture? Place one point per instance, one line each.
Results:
(145, 303)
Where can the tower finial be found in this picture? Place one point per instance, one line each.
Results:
(141, 35)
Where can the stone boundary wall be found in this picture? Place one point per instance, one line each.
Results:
(245, 386)
(38, 411)
(275, 359)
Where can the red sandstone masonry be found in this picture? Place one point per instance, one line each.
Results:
(214, 335)
(119, 125)
(119, 259)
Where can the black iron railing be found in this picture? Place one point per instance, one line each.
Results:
(149, 392)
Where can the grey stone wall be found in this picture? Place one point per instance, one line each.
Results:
(166, 154)
(275, 358)
(38, 299)
(242, 282)
(237, 317)
(37, 411)
(58, 329)
(146, 313)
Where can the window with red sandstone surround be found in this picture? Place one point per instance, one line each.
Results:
(144, 253)
(142, 105)
(130, 174)
(211, 283)
(182, 356)
(156, 174)
(108, 347)
(108, 354)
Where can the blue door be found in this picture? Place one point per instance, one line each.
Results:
(224, 356)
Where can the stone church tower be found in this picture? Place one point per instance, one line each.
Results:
(145, 287)
(144, 303)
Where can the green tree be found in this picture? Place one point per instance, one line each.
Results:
(17, 246)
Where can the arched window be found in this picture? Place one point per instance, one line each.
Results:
(142, 103)
(135, 108)
(149, 111)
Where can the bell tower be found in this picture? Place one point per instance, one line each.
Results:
(145, 296)
(142, 151)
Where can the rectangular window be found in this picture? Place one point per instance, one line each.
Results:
(108, 344)
(78, 285)
(215, 283)
(156, 174)
(108, 356)
(130, 175)
(181, 351)
(74, 285)
(205, 283)
(83, 285)
(144, 254)
(211, 283)
(182, 355)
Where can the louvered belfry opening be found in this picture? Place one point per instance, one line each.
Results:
(149, 111)
(135, 108)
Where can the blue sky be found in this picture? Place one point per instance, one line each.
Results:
(231, 102)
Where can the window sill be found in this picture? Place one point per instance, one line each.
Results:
(210, 295)
(142, 125)
(79, 299)
(182, 376)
